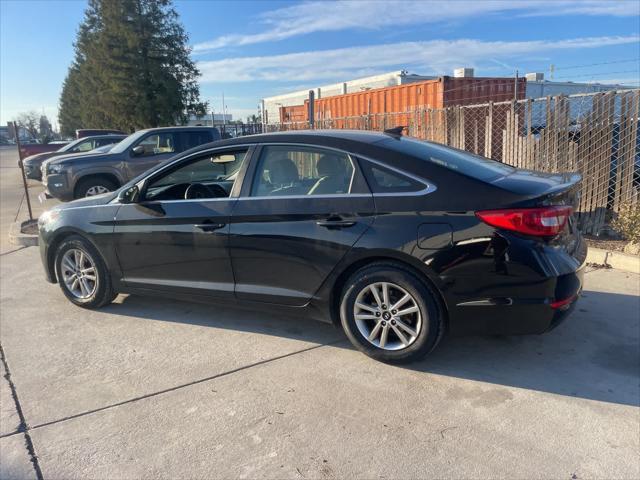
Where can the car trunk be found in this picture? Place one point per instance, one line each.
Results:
(538, 189)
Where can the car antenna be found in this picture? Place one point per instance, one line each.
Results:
(395, 131)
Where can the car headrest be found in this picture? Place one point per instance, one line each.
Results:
(330, 165)
(282, 171)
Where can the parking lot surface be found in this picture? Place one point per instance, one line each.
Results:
(153, 388)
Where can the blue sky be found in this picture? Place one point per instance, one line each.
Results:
(252, 49)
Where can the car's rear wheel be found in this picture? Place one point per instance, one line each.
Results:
(90, 187)
(82, 274)
(390, 314)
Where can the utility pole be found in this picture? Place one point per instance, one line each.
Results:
(515, 88)
(224, 109)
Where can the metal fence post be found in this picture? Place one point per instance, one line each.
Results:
(20, 164)
(311, 109)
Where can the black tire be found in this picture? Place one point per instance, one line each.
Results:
(84, 186)
(103, 293)
(431, 318)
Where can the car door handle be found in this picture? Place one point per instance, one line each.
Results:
(210, 227)
(335, 223)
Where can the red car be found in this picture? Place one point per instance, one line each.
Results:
(28, 149)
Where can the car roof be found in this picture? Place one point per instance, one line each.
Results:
(337, 138)
(104, 135)
(177, 127)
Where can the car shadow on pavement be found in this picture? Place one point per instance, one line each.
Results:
(594, 354)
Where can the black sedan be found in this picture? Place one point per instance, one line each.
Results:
(397, 240)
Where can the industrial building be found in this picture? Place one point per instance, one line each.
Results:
(400, 91)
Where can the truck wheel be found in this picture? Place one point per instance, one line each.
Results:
(94, 186)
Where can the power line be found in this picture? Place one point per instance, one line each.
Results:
(596, 64)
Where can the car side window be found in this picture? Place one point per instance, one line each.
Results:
(385, 180)
(193, 139)
(157, 144)
(294, 170)
(84, 146)
(208, 176)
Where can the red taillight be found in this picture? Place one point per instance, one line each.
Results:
(541, 221)
(564, 303)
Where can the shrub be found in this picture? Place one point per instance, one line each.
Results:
(627, 222)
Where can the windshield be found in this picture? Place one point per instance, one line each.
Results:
(69, 146)
(127, 142)
(103, 149)
(460, 161)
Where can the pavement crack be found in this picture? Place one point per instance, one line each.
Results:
(24, 426)
(12, 251)
(184, 385)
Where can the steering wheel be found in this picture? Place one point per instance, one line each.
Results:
(200, 190)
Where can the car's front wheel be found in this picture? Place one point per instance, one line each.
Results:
(390, 314)
(92, 186)
(82, 274)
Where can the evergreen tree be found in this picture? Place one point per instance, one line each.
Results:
(132, 68)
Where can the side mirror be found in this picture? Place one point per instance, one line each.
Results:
(129, 195)
(137, 151)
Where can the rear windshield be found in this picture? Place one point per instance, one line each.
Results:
(460, 161)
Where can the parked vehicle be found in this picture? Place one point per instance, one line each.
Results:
(397, 240)
(33, 164)
(91, 132)
(28, 149)
(80, 176)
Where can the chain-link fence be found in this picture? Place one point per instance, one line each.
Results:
(594, 134)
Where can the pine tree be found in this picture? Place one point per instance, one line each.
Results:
(131, 70)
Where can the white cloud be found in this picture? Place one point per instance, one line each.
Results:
(435, 56)
(322, 16)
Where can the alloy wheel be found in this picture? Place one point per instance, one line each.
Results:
(79, 273)
(387, 316)
(96, 190)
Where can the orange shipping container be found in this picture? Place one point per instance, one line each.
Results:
(437, 93)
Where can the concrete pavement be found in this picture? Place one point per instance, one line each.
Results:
(152, 388)
(160, 389)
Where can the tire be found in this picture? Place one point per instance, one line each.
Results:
(93, 186)
(423, 315)
(94, 289)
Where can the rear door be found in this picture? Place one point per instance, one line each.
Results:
(301, 210)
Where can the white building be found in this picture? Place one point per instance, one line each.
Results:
(538, 87)
(271, 105)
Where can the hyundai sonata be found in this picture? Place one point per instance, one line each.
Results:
(397, 240)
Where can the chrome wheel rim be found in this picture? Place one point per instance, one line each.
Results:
(387, 316)
(96, 190)
(79, 273)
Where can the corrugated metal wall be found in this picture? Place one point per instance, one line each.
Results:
(437, 93)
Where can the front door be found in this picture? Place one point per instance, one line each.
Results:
(149, 151)
(176, 238)
(304, 210)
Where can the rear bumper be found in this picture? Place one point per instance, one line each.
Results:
(532, 296)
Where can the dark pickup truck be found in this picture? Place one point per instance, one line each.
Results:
(77, 176)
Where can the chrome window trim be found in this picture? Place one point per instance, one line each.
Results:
(331, 195)
(429, 187)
